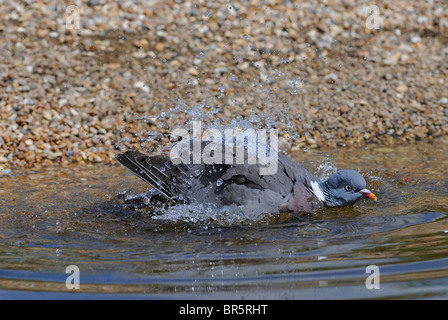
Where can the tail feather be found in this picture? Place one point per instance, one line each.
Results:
(141, 166)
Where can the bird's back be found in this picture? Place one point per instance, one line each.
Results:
(220, 184)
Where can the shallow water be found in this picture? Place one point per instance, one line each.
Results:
(59, 217)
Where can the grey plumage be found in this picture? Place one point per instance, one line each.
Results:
(291, 188)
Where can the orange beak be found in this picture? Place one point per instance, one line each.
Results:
(368, 194)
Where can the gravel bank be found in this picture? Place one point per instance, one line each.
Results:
(135, 69)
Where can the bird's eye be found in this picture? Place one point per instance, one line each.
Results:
(347, 187)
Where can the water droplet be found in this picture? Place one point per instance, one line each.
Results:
(232, 77)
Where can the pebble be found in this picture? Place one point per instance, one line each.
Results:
(141, 85)
(46, 114)
(331, 78)
(193, 71)
(402, 88)
(392, 59)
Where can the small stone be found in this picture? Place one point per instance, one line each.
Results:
(416, 39)
(331, 78)
(93, 2)
(141, 43)
(139, 55)
(74, 112)
(221, 70)
(402, 88)
(310, 140)
(47, 115)
(259, 64)
(159, 46)
(42, 33)
(392, 59)
(244, 66)
(141, 85)
(193, 71)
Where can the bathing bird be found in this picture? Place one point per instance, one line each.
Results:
(290, 188)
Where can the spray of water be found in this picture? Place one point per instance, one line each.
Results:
(230, 100)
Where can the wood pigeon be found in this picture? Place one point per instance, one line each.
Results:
(291, 188)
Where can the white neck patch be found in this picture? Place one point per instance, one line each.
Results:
(317, 191)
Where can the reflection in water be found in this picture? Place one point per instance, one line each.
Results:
(58, 217)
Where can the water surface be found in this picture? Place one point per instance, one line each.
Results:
(53, 218)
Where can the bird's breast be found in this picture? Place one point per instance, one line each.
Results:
(303, 200)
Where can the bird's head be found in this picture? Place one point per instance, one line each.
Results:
(344, 187)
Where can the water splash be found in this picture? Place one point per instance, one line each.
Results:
(325, 169)
(206, 213)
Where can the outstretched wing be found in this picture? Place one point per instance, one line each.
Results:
(155, 171)
(221, 184)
